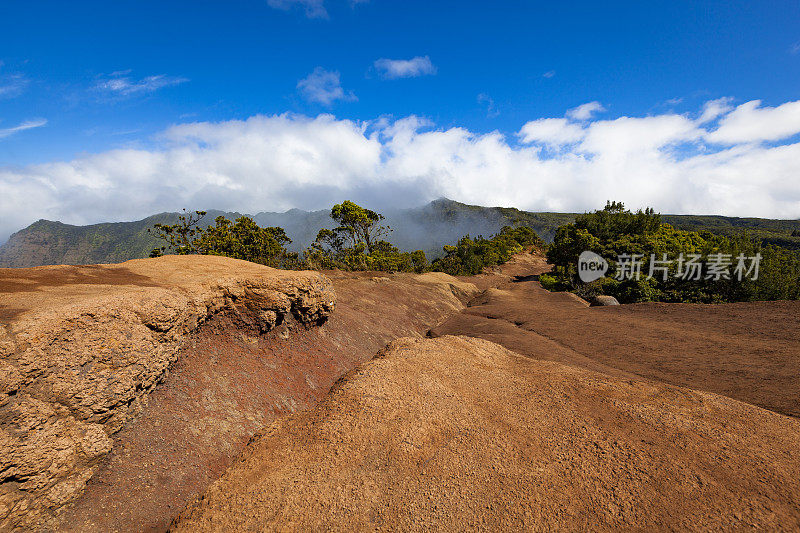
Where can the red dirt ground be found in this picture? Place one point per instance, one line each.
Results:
(747, 351)
(459, 434)
(229, 383)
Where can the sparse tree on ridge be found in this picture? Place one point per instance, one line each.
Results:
(359, 225)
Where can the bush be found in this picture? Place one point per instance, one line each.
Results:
(613, 231)
(471, 256)
(356, 245)
(243, 239)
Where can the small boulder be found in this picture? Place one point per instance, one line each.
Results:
(603, 300)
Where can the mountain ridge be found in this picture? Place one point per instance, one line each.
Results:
(427, 228)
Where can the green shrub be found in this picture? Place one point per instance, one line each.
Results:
(470, 256)
(243, 239)
(356, 244)
(614, 231)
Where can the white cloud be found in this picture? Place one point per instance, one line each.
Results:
(585, 111)
(27, 125)
(549, 74)
(714, 109)
(405, 68)
(752, 123)
(795, 48)
(551, 131)
(313, 8)
(324, 87)
(639, 137)
(279, 162)
(118, 83)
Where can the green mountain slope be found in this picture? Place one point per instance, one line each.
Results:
(427, 228)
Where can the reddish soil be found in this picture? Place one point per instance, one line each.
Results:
(229, 382)
(747, 351)
(459, 434)
(584, 430)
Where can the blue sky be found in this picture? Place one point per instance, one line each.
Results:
(83, 78)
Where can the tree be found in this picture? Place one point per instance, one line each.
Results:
(471, 256)
(614, 232)
(246, 240)
(359, 225)
(243, 239)
(180, 237)
(356, 244)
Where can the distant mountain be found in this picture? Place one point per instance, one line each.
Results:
(427, 228)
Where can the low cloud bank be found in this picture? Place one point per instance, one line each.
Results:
(739, 161)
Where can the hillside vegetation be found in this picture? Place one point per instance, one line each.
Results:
(427, 228)
(650, 260)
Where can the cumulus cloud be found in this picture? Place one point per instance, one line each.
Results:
(278, 162)
(119, 84)
(324, 87)
(27, 125)
(752, 123)
(551, 131)
(713, 109)
(405, 68)
(585, 111)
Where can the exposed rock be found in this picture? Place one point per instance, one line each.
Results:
(82, 347)
(461, 434)
(229, 383)
(603, 300)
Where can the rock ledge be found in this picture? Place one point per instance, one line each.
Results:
(82, 347)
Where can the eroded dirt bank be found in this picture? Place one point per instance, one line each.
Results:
(228, 383)
(457, 433)
(81, 348)
(128, 388)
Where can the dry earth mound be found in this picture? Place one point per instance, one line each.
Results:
(125, 390)
(749, 351)
(228, 383)
(458, 433)
(82, 347)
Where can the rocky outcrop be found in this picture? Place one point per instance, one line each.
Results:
(229, 383)
(82, 347)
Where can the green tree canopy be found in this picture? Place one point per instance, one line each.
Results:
(358, 224)
(615, 232)
(243, 239)
(356, 244)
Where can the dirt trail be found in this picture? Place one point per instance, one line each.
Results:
(747, 351)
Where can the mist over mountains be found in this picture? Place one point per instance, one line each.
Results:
(426, 228)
